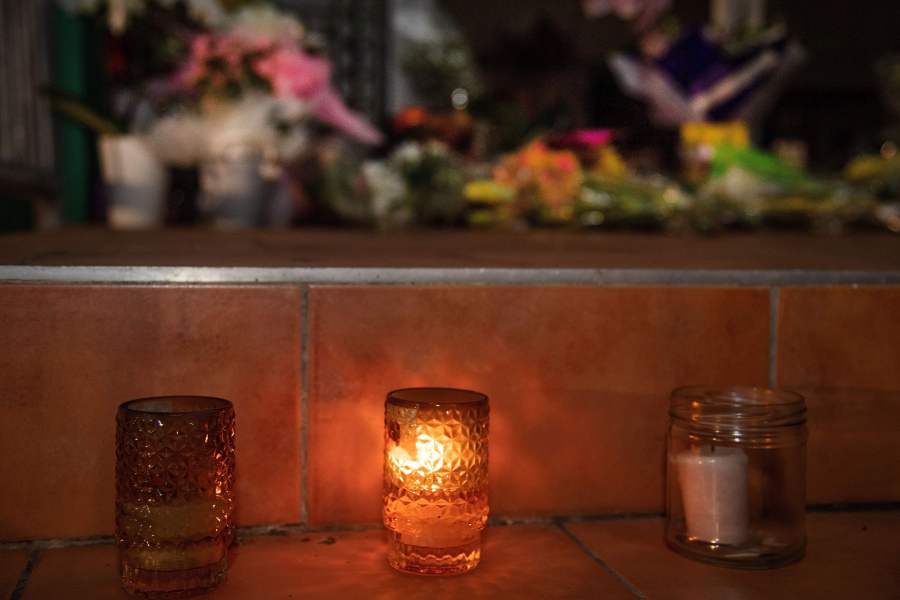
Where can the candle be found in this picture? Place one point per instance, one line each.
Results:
(713, 482)
(736, 475)
(435, 479)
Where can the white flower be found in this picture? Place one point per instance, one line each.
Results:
(437, 148)
(243, 126)
(209, 12)
(292, 144)
(291, 110)
(388, 190)
(409, 153)
(251, 125)
(179, 139)
(265, 22)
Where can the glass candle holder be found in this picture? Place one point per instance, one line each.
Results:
(736, 482)
(435, 479)
(174, 498)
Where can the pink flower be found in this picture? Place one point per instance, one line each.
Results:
(201, 46)
(330, 109)
(218, 61)
(294, 74)
(193, 69)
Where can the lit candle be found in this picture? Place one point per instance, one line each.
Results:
(435, 479)
(713, 481)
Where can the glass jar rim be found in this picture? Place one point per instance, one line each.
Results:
(737, 406)
(176, 405)
(435, 396)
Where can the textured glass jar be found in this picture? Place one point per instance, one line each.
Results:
(435, 479)
(174, 498)
(736, 481)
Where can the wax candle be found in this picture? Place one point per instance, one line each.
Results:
(435, 479)
(713, 482)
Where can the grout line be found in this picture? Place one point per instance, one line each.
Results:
(25, 574)
(603, 564)
(347, 528)
(304, 404)
(247, 534)
(252, 531)
(853, 507)
(626, 516)
(508, 521)
(52, 543)
(556, 519)
(774, 296)
(255, 531)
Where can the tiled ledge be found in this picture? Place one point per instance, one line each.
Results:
(538, 257)
(849, 555)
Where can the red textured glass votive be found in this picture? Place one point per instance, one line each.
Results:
(435, 479)
(174, 498)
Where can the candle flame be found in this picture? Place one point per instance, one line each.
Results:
(429, 457)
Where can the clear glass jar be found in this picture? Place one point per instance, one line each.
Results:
(736, 476)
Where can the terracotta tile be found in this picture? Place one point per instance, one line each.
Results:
(848, 556)
(77, 572)
(521, 562)
(578, 378)
(839, 348)
(71, 354)
(12, 563)
(839, 337)
(853, 453)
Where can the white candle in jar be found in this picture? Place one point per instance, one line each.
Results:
(713, 482)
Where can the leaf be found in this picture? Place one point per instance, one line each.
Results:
(81, 113)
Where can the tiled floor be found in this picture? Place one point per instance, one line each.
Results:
(850, 555)
(11, 566)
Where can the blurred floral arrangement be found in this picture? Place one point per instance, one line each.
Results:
(535, 183)
(581, 180)
(238, 102)
(251, 88)
(419, 183)
(244, 93)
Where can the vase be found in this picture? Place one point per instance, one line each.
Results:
(136, 182)
(234, 193)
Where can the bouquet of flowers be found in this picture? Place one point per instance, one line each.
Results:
(541, 184)
(704, 75)
(254, 85)
(419, 182)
